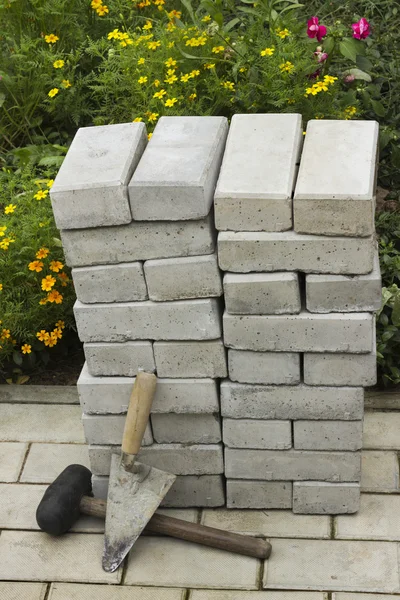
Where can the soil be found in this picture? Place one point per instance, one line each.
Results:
(62, 371)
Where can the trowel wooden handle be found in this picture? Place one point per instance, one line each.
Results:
(139, 407)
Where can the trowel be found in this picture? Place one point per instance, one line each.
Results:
(135, 490)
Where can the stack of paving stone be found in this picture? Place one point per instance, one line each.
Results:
(137, 228)
(301, 284)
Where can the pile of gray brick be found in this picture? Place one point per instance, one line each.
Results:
(301, 284)
(137, 229)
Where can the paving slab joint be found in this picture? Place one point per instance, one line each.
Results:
(24, 462)
(332, 528)
(260, 575)
(47, 592)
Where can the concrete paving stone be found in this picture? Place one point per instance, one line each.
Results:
(286, 465)
(244, 252)
(40, 423)
(12, 456)
(327, 435)
(258, 494)
(262, 293)
(75, 591)
(379, 472)
(177, 174)
(186, 429)
(125, 321)
(157, 560)
(333, 565)
(321, 498)
(39, 394)
(254, 190)
(22, 591)
(306, 332)
(108, 429)
(124, 358)
(265, 368)
(342, 293)
(344, 596)
(257, 433)
(272, 524)
(110, 395)
(344, 203)
(377, 519)
(340, 369)
(46, 461)
(91, 186)
(182, 278)
(246, 401)
(36, 556)
(381, 430)
(180, 459)
(382, 399)
(208, 595)
(110, 283)
(191, 359)
(138, 241)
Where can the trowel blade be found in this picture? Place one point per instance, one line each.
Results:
(132, 500)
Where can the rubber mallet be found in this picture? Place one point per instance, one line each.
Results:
(69, 496)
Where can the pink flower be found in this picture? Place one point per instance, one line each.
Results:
(315, 30)
(321, 56)
(361, 30)
(349, 79)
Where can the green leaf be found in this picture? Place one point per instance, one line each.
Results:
(396, 311)
(2, 98)
(231, 24)
(17, 357)
(328, 45)
(350, 48)
(395, 156)
(378, 108)
(188, 5)
(364, 63)
(249, 11)
(358, 74)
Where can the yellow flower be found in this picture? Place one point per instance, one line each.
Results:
(229, 85)
(113, 35)
(42, 334)
(148, 25)
(282, 33)
(192, 97)
(63, 277)
(50, 341)
(66, 84)
(171, 44)
(1, 287)
(142, 80)
(174, 14)
(159, 94)
(159, 2)
(197, 41)
(267, 52)
(137, 119)
(10, 209)
(6, 334)
(42, 253)
(329, 79)
(349, 112)
(194, 73)
(96, 3)
(156, 83)
(321, 85)
(206, 19)
(43, 301)
(26, 349)
(171, 72)
(41, 194)
(51, 38)
(152, 117)
(153, 45)
(57, 333)
(58, 64)
(48, 282)
(126, 42)
(209, 66)
(149, 136)
(56, 266)
(170, 62)
(35, 265)
(102, 10)
(172, 79)
(171, 102)
(141, 61)
(3, 228)
(53, 92)
(50, 183)
(218, 49)
(185, 78)
(286, 67)
(4, 244)
(312, 90)
(55, 296)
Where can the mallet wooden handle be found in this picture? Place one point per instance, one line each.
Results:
(191, 532)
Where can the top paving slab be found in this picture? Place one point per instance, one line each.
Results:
(90, 189)
(337, 177)
(254, 190)
(176, 177)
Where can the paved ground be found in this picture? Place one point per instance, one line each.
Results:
(314, 557)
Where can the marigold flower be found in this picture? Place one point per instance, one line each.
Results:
(41, 194)
(102, 10)
(282, 33)
(142, 80)
(170, 102)
(286, 67)
(35, 265)
(194, 73)
(57, 333)
(96, 3)
(4, 244)
(63, 278)
(56, 266)
(3, 229)
(113, 35)
(42, 335)
(267, 52)
(141, 61)
(148, 25)
(58, 64)
(50, 341)
(26, 349)
(1, 287)
(43, 301)
(66, 84)
(48, 282)
(159, 94)
(217, 49)
(315, 30)
(329, 79)
(349, 112)
(322, 85)
(153, 45)
(51, 38)
(156, 83)
(361, 29)
(185, 78)
(9, 209)
(50, 183)
(228, 85)
(5, 334)
(170, 62)
(171, 79)
(55, 296)
(197, 41)
(209, 66)
(152, 117)
(171, 44)
(42, 252)
(192, 96)
(174, 14)
(53, 92)
(206, 19)
(60, 324)
(137, 119)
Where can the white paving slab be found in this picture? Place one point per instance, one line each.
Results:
(40, 423)
(36, 556)
(333, 565)
(209, 595)
(272, 523)
(171, 563)
(46, 461)
(382, 430)
(377, 519)
(41, 394)
(344, 596)
(12, 456)
(76, 591)
(379, 472)
(22, 591)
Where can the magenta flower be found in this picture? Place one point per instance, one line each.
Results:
(321, 56)
(361, 30)
(315, 30)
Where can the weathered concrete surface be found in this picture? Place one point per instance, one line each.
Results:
(191, 359)
(267, 368)
(110, 283)
(262, 293)
(320, 497)
(113, 359)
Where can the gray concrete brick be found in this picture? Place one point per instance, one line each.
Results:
(374, 566)
(40, 423)
(71, 591)
(262, 293)
(191, 359)
(343, 201)
(138, 241)
(125, 321)
(381, 430)
(46, 461)
(246, 366)
(110, 283)
(243, 252)
(342, 293)
(12, 456)
(306, 332)
(180, 278)
(22, 591)
(379, 472)
(257, 433)
(286, 465)
(340, 369)
(377, 519)
(110, 395)
(254, 190)
(39, 394)
(90, 189)
(124, 358)
(344, 596)
(177, 174)
(245, 401)
(108, 429)
(180, 459)
(258, 494)
(327, 435)
(219, 595)
(186, 429)
(320, 497)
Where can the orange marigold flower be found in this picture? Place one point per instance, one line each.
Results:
(35, 265)
(26, 349)
(48, 282)
(60, 324)
(42, 335)
(57, 333)
(55, 296)
(42, 252)
(56, 266)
